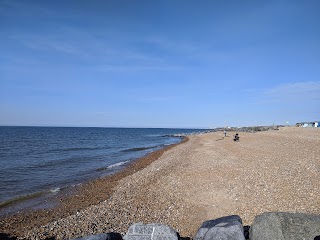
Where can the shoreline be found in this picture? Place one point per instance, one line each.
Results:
(73, 199)
(207, 177)
(47, 198)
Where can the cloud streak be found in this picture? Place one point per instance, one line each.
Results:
(38, 43)
(295, 92)
(119, 68)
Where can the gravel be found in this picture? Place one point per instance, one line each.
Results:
(205, 178)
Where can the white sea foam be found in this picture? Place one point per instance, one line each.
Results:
(55, 190)
(117, 164)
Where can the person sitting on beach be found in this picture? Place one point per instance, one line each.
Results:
(236, 137)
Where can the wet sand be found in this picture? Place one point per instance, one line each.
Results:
(204, 178)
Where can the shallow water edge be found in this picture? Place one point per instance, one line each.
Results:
(71, 200)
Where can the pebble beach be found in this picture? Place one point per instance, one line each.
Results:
(205, 177)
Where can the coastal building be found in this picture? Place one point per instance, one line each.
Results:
(308, 124)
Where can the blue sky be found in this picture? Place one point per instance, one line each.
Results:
(159, 63)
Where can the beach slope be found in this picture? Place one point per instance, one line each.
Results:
(207, 177)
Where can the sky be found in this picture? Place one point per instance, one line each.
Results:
(147, 63)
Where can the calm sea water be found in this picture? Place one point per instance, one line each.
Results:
(38, 160)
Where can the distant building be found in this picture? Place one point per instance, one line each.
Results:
(308, 124)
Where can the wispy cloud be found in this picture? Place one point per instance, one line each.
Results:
(107, 55)
(289, 93)
(42, 43)
(172, 45)
(9, 7)
(64, 39)
(294, 92)
(116, 68)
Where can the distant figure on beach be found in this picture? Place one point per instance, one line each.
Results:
(225, 133)
(236, 137)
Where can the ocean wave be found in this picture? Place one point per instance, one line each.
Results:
(21, 199)
(58, 162)
(55, 190)
(82, 149)
(138, 149)
(27, 197)
(112, 166)
(74, 149)
(117, 164)
(175, 135)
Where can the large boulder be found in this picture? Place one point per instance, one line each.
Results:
(225, 228)
(140, 231)
(285, 226)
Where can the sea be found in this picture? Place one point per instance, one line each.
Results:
(39, 162)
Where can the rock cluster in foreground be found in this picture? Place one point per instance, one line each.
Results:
(267, 226)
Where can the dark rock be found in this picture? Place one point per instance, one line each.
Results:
(225, 228)
(4, 236)
(246, 230)
(140, 231)
(285, 226)
(102, 236)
